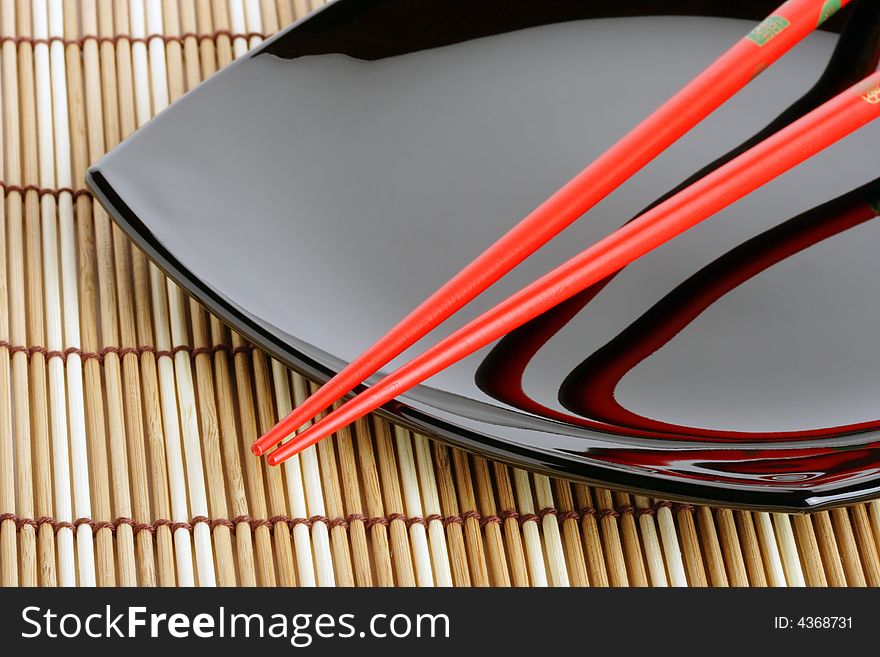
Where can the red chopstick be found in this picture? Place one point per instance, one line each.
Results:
(775, 36)
(795, 143)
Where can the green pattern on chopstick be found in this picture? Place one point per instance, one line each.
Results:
(767, 29)
(830, 8)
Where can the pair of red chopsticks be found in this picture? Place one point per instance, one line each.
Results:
(774, 156)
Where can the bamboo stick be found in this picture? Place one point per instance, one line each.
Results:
(611, 536)
(483, 571)
(253, 469)
(274, 477)
(315, 504)
(375, 507)
(556, 568)
(454, 531)
(866, 545)
(230, 441)
(712, 548)
(874, 516)
(22, 498)
(790, 561)
(848, 549)
(58, 426)
(519, 572)
(741, 548)
(38, 403)
(342, 565)
(671, 548)
(253, 20)
(329, 476)
(220, 12)
(809, 551)
(204, 25)
(88, 294)
(574, 554)
(730, 527)
(351, 488)
(314, 496)
(8, 542)
(192, 60)
(769, 550)
(70, 339)
(690, 547)
(596, 569)
(427, 562)
(635, 564)
(268, 21)
(651, 543)
(301, 8)
(430, 496)
(135, 322)
(121, 374)
(401, 556)
(285, 12)
(296, 494)
(832, 566)
(240, 44)
(180, 511)
(398, 478)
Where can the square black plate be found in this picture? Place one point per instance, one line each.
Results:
(324, 184)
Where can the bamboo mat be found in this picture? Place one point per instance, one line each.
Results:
(126, 410)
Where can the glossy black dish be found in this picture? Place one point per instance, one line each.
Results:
(327, 182)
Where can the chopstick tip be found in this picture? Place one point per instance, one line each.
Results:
(275, 459)
(296, 444)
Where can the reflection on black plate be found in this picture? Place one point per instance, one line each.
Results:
(322, 186)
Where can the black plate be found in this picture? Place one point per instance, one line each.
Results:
(319, 188)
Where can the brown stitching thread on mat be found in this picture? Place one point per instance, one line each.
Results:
(122, 351)
(346, 522)
(55, 192)
(166, 38)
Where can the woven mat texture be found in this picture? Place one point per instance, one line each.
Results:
(126, 410)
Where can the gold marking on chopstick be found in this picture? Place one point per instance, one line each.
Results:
(871, 94)
(760, 68)
(767, 29)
